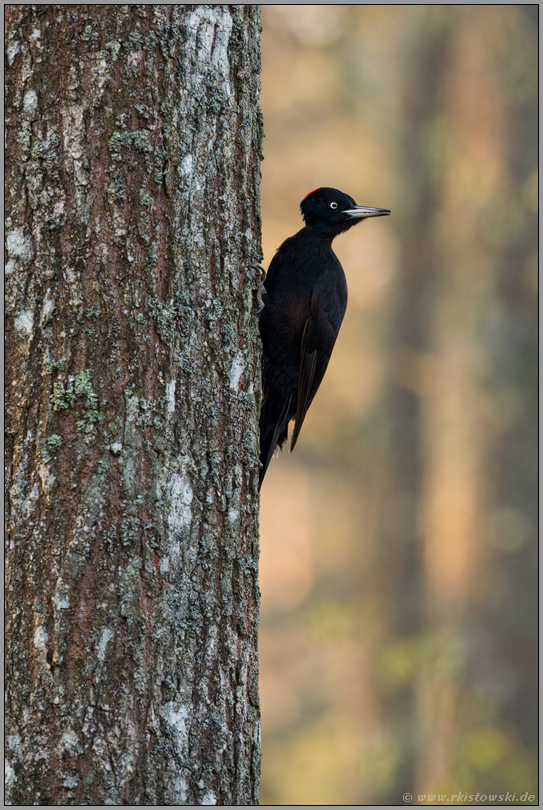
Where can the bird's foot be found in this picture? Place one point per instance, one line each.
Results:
(260, 269)
(259, 302)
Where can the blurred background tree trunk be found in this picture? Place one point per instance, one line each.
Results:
(133, 154)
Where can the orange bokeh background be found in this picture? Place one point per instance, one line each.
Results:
(399, 540)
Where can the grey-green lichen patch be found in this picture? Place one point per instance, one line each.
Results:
(24, 139)
(89, 34)
(128, 590)
(165, 316)
(130, 530)
(138, 140)
(47, 152)
(83, 387)
(45, 455)
(117, 190)
(54, 442)
(52, 365)
(63, 395)
(65, 392)
(145, 197)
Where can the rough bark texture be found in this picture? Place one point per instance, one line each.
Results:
(133, 151)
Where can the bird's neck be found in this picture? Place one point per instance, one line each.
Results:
(319, 235)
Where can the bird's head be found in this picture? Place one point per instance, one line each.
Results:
(331, 212)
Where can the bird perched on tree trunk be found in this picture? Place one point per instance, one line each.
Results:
(305, 296)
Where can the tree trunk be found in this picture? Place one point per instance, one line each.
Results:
(133, 150)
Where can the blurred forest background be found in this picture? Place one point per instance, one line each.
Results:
(398, 567)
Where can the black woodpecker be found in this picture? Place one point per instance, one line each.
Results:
(305, 297)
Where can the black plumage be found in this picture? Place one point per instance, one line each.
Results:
(305, 297)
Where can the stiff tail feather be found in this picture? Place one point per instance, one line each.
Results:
(273, 433)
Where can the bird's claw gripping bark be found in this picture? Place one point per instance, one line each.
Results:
(259, 301)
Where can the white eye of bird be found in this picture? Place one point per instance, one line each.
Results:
(333, 205)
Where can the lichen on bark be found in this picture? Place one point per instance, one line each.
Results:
(133, 153)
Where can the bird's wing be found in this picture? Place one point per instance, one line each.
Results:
(319, 335)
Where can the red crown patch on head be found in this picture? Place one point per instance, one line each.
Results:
(310, 192)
